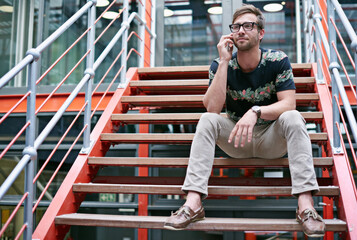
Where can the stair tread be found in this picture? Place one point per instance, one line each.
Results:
(214, 181)
(184, 117)
(198, 82)
(202, 68)
(218, 162)
(208, 224)
(212, 190)
(170, 138)
(194, 100)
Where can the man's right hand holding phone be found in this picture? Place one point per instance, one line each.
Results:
(225, 47)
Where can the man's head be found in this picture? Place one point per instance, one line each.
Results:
(248, 8)
(247, 28)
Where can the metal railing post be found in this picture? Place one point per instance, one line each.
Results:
(142, 11)
(333, 65)
(317, 17)
(30, 144)
(124, 39)
(89, 70)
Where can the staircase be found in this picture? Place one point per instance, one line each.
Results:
(173, 95)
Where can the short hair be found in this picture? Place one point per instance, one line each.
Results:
(248, 8)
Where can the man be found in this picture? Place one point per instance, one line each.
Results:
(258, 89)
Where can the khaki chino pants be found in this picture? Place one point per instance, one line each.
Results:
(287, 134)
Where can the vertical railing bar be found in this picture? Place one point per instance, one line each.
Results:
(124, 44)
(318, 52)
(333, 65)
(346, 23)
(50, 125)
(89, 70)
(346, 104)
(142, 34)
(30, 143)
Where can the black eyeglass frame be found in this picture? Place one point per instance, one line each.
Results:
(242, 25)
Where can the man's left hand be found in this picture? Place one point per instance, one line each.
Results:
(244, 129)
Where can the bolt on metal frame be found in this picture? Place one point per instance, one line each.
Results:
(33, 143)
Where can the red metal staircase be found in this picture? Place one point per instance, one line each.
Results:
(179, 90)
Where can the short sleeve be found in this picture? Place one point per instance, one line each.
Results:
(284, 78)
(212, 70)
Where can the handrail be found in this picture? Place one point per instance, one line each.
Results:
(323, 46)
(329, 44)
(32, 142)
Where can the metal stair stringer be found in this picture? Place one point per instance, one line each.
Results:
(347, 200)
(66, 201)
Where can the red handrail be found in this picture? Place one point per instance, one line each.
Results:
(107, 27)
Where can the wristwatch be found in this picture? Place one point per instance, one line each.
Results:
(257, 110)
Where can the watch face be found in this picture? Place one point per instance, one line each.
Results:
(256, 108)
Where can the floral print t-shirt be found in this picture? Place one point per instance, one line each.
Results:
(259, 87)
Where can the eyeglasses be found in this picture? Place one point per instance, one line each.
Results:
(247, 26)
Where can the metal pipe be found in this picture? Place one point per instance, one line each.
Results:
(317, 18)
(13, 175)
(333, 64)
(346, 103)
(323, 36)
(346, 23)
(124, 44)
(50, 125)
(89, 83)
(24, 62)
(142, 34)
(15, 70)
(298, 31)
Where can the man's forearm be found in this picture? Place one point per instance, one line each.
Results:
(215, 96)
(273, 111)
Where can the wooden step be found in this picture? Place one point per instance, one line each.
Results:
(212, 190)
(170, 138)
(182, 162)
(185, 118)
(214, 181)
(194, 72)
(208, 224)
(178, 86)
(193, 100)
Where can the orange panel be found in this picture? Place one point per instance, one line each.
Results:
(8, 101)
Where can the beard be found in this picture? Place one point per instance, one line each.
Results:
(248, 44)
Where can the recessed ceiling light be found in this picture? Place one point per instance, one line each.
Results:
(215, 10)
(102, 3)
(6, 8)
(168, 12)
(110, 15)
(273, 7)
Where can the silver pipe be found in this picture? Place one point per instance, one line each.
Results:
(323, 36)
(298, 31)
(142, 34)
(13, 175)
(317, 18)
(346, 23)
(346, 104)
(124, 40)
(333, 64)
(29, 149)
(50, 125)
(15, 70)
(89, 83)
